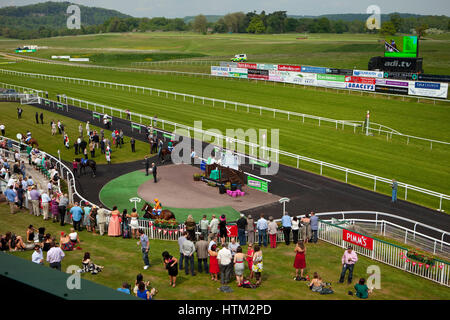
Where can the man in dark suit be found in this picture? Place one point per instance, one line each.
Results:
(154, 172)
(37, 117)
(132, 143)
(147, 165)
(42, 118)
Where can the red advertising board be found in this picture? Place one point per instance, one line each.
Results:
(258, 76)
(247, 65)
(364, 80)
(282, 67)
(357, 239)
(232, 231)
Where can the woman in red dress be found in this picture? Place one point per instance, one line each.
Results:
(250, 258)
(213, 263)
(300, 262)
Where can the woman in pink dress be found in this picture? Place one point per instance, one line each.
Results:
(250, 258)
(300, 262)
(114, 223)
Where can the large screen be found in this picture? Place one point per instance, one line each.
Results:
(401, 47)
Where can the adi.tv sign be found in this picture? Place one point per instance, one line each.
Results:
(357, 239)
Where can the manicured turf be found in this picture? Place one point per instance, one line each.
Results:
(117, 192)
(414, 163)
(122, 261)
(327, 50)
(52, 144)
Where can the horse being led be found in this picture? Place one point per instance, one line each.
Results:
(151, 214)
(84, 163)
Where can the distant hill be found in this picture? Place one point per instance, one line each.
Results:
(52, 15)
(209, 18)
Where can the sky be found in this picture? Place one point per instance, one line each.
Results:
(182, 8)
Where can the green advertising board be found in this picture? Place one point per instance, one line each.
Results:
(331, 77)
(22, 51)
(257, 184)
(258, 163)
(237, 75)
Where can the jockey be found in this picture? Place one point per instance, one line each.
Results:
(157, 208)
(170, 146)
(28, 136)
(66, 141)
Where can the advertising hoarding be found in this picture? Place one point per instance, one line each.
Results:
(331, 77)
(282, 67)
(258, 74)
(257, 184)
(247, 65)
(360, 86)
(392, 90)
(313, 69)
(360, 79)
(428, 89)
(393, 83)
(367, 73)
(265, 66)
(357, 239)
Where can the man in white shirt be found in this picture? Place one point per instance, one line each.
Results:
(37, 256)
(213, 241)
(55, 256)
(45, 204)
(213, 227)
(204, 224)
(233, 247)
(225, 258)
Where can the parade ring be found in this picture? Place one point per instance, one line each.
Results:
(179, 193)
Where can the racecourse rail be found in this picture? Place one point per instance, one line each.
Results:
(255, 147)
(202, 75)
(328, 231)
(106, 84)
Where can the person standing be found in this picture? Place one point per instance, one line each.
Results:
(121, 138)
(190, 227)
(286, 223)
(80, 130)
(19, 113)
(222, 229)
(88, 130)
(171, 264)
(394, 186)
(261, 226)
(132, 143)
(147, 165)
(250, 229)
(102, 215)
(77, 214)
(201, 247)
(11, 197)
(213, 227)
(213, 263)
(42, 117)
(204, 224)
(114, 229)
(2, 128)
(92, 149)
(53, 128)
(349, 258)
(272, 228)
(45, 199)
(225, 264)
(239, 266)
(314, 221)
(62, 208)
(37, 256)
(108, 154)
(295, 229)
(241, 226)
(75, 167)
(188, 253)
(249, 258)
(37, 117)
(257, 266)
(143, 241)
(305, 231)
(300, 261)
(154, 172)
(181, 240)
(54, 256)
(35, 195)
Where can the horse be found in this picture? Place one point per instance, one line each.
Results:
(31, 142)
(88, 163)
(165, 214)
(165, 153)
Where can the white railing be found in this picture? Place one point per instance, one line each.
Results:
(236, 105)
(207, 75)
(254, 149)
(387, 253)
(21, 89)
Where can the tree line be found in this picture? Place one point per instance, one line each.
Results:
(36, 24)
